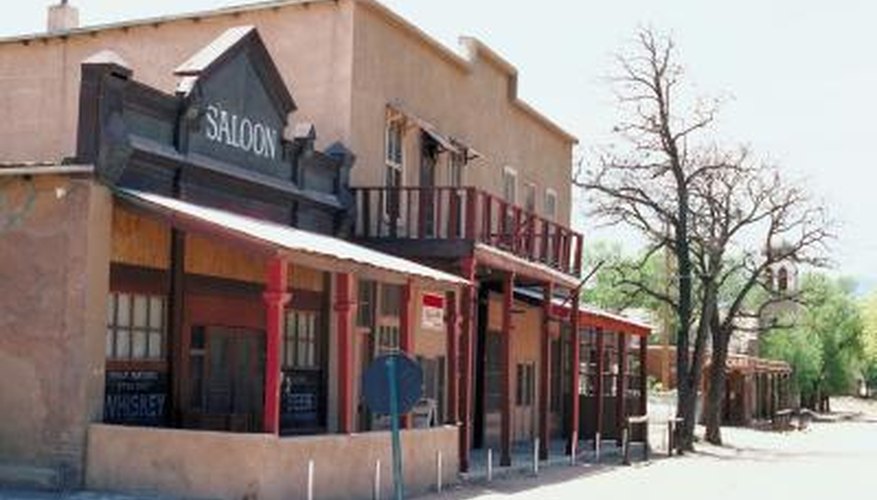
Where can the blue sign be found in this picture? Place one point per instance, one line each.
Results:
(376, 386)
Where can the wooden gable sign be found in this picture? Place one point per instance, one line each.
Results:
(241, 103)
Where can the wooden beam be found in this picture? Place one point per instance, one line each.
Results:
(575, 361)
(507, 361)
(467, 341)
(621, 386)
(545, 362)
(276, 297)
(344, 303)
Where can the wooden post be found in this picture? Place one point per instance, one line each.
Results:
(599, 391)
(545, 373)
(467, 340)
(406, 335)
(344, 326)
(620, 385)
(643, 376)
(575, 357)
(505, 458)
(275, 297)
(452, 326)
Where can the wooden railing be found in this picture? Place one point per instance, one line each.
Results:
(466, 213)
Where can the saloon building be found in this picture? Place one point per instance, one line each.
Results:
(210, 225)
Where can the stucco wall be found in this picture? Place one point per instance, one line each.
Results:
(54, 274)
(39, 81)
(233, 466)
(470, 102)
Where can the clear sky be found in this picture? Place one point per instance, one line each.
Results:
(800, 73)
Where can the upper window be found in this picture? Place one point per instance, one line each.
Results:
(395, 133)
(510, 185)
(456, 161)
(530, 197)
(135, 327)
(550, 204)
(783, 280)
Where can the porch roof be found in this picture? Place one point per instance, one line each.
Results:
(591, 317)
(285, 240)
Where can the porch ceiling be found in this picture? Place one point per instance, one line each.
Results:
(330, 252)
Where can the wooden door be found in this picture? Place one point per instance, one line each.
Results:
(428, 156)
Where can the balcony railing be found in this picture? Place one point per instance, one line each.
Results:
(466, 213)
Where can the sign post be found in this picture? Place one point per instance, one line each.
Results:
(392, 385)
(398, 482)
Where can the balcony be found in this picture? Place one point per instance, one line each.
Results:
(450, 222)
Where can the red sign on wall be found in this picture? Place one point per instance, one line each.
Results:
(432, 316)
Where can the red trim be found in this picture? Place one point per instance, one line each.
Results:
(590, 319)
(275, 300)
(344, 326)
(621, 387)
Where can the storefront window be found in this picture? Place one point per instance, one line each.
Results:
(301, 345)
(135, 327)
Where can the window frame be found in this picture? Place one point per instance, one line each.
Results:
(394, 169)
(550, 194)
(148, 329)
(509, 172)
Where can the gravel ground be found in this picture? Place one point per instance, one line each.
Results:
(827, 460)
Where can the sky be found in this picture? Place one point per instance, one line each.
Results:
(798, 79)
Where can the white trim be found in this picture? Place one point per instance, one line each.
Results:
(507, 170)
(550, 193)
(46, 170)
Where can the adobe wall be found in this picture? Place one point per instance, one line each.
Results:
(39, 80)
(224, 465)
(467, 102)
(54, 274)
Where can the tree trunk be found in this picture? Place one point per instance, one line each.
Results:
(717, 381)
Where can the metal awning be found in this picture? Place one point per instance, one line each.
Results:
(287, 240)
(448, 143)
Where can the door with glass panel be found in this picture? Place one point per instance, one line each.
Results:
(227, 368)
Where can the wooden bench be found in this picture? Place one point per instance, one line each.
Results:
(626, 433)
(782, 420)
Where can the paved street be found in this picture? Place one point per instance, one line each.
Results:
(829, 459)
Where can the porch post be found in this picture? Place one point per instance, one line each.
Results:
(545, 373)
(344, 325)
(620, 386)
(575, 362)
(643, 375)
(467, 337)
(600, 368)
(506, 407)
(406, 336)
(276, 297)
(453, 347)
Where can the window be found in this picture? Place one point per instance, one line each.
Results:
(510, 185)
(393, 159)
(783, 280)
(391, 300)
(456, 161)
(365, 307)
(388, 339)
(135, 327)
(530, 197)
(550, 204)
(300, 342)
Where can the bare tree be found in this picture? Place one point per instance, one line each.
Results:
(745, 219)
(647, 186)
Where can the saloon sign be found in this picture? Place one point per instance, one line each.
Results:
(241, 132)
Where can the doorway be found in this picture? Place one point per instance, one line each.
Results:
(227, 367)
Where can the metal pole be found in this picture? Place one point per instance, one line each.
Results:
(597, 447)
(310, 480)
(376, 491)
(398, 486)
(438, 472)
(573, 447)
(536, 456)
(489, 464)
(625, 446)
